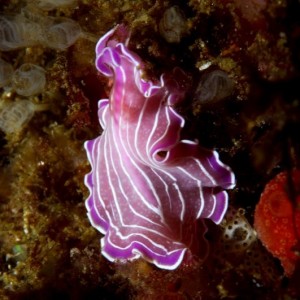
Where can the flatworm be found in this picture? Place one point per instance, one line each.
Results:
(149, 190)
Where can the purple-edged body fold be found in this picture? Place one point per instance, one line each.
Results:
(149, 190)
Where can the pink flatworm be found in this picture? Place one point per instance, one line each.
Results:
(149, 190)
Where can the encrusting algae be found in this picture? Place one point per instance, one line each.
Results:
(242, 71)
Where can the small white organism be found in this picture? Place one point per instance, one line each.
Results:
(29, 80)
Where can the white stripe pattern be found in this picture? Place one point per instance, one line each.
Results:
(149, 190)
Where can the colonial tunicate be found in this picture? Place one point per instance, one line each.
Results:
(6, 72)
(237, 235)
(29, 79)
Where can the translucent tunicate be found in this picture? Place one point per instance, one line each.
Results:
(29, 80)
(14, 115)
(213, 86)
(11, 35)
(173, 26)
(17, 32)
(6, 72)
(62, 33)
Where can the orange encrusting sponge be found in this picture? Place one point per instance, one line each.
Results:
(277, 219)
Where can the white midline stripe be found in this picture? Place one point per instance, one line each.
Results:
(181, 200)
(125, 195)
(151, 133)
(148, 147)
(140, 156)
(153, 208)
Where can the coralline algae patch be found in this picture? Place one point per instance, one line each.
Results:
(277, 219)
